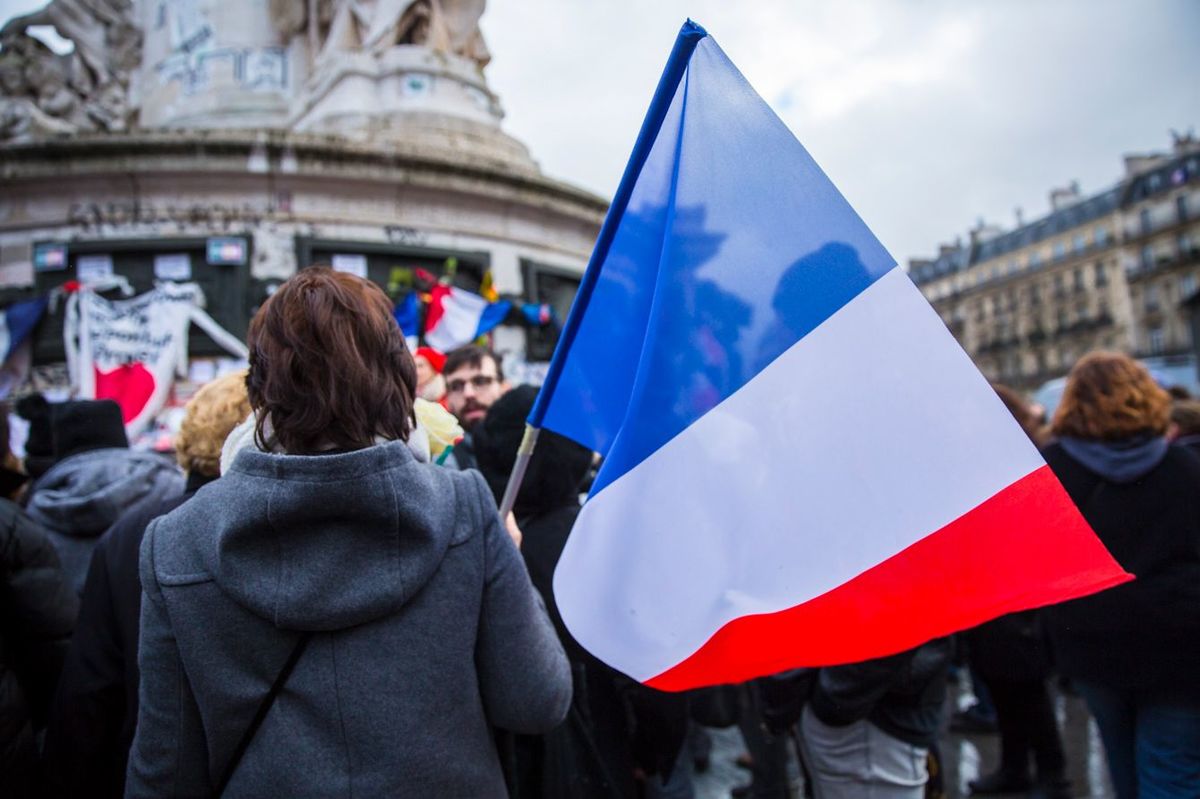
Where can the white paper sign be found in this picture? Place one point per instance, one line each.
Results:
(201, 371)
(175, 266)
(351, 264)
(93, 268)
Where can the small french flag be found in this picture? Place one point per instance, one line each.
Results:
(17, 322)
(456, 317)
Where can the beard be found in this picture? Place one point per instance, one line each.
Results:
(471, 414)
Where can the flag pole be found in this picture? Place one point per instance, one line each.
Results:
(685, 43)
(524, 453)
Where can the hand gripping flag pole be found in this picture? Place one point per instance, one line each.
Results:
(677, 62)
(801, 465)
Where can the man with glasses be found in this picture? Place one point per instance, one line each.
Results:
(474, 380)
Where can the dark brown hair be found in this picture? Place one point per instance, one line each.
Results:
(1109, 397)
(1023, 412)
(471, 355)
(328, 365)
(1186, 415)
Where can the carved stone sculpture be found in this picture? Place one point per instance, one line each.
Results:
(86, 90)
(374, 26)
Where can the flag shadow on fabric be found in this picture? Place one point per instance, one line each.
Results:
(802, 467)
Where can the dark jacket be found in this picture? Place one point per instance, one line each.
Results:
(464, 453)
(83, 495)
(1190, 443)
(37, 614)
(95, 708)
(1012, 648)
(614, 724)
(902, 694)
(1145, 633)
(427, 632)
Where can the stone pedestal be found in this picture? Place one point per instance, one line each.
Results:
(215, 64)
(408, 94)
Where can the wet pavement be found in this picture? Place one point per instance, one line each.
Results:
(966, 756)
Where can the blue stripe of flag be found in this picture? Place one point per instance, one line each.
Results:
(734, 245)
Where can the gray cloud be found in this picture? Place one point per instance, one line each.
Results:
(926, 114)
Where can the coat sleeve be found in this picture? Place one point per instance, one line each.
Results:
(524, 676)
(169, 755)
(39, 609)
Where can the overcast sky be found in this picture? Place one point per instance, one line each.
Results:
(927, 114)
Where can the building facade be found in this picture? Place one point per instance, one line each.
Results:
(1161, 228)
(1106, 271)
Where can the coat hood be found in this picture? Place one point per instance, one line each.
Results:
(84, 494)
(1118, 461)
(325, 542)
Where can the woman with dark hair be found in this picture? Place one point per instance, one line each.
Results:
(1133, 650)
(351, 620)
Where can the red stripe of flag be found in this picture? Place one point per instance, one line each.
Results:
(1025, 547)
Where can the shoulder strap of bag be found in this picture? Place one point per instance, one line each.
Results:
(261, 714)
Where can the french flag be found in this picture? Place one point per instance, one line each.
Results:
(456, 317)
(17, 323)
(801, 466)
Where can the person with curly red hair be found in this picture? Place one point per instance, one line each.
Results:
(1133, 650)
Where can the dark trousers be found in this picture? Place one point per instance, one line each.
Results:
(1025, 715)
(769, 752)
(1152, 742)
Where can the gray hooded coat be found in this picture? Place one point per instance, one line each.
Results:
(428, 633)
(83, 495)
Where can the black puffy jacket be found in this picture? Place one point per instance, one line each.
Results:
(902, 694)
(37, 615)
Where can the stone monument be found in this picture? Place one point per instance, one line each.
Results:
(360, 131)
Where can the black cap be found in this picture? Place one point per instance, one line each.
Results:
(85, 425)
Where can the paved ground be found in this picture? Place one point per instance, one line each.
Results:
(965, 756)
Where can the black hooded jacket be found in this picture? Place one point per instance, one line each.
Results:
(94, 713)
(1146, 633)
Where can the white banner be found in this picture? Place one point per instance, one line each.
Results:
(130, 351)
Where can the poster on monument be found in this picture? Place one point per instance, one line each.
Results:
(351, 264)
(173, 266)
(93, 268)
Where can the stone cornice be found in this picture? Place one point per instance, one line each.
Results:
(285, 155)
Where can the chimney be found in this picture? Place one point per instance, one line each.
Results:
(1064, 196)
(1137, 163)
(1184, 143)
(984, 232)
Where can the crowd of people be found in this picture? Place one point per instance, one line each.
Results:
(320, 599)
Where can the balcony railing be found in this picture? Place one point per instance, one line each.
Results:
(1138, 269)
